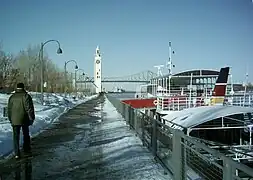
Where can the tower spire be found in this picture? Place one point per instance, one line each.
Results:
(98, 71)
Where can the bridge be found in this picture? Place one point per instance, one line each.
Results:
(142, 77)
(98, 79)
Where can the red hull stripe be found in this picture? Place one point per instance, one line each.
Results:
(220, 90)
(140, 103)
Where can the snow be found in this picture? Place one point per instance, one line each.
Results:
(55, 105)
(123, 152)
(192, 117)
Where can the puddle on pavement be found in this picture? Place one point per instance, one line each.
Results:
(83, 126)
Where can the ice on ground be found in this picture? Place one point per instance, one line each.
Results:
(121, 151)
(56, 105)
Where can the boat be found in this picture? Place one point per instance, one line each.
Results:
(163, 102)
(225, 128)
(213, 117)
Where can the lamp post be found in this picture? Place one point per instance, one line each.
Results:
(80, 78)
(75, 78)
(65, 74)
(59, 51)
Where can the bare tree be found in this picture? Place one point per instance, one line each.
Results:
(6, 75)
(25, 67)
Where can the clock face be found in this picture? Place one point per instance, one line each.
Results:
(97, 61)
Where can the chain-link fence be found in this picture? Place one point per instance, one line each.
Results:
(184, 156)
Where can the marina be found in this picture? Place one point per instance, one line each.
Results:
(203, 105)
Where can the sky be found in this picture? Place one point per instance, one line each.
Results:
(133, 35)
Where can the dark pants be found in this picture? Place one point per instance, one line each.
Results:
(26, 139)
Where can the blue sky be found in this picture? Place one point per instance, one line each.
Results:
(133, 34)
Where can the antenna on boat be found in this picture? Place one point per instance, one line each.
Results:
(169, 64)
(245, 86)
(232, 85)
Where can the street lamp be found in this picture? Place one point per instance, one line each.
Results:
(65, 73)
(59, 51)
(75, 78)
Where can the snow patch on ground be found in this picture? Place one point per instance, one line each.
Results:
(55, 106)
(122, 152)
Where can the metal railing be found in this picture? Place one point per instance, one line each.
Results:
(184, 156)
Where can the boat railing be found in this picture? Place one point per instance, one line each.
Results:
(178, 103)
(170, 103)
(154, 93)
(240, 100)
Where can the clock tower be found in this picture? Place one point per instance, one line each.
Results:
(97, 71)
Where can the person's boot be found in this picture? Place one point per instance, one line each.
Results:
(17, 156)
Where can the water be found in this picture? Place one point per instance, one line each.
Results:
(122, 95)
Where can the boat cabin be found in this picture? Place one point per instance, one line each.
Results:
(230, 125)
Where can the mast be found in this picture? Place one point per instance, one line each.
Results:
(170, 65)
(159, 75)
(170, 60)
(245, 87)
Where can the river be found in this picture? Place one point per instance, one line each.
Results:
(122, 95)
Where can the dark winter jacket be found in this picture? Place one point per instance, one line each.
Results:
(20, 108)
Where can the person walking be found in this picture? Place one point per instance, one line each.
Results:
(21, 115)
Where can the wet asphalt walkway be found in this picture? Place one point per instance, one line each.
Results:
(89, 142)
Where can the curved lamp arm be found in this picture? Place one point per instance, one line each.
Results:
(80, 70)
(76, 67)
(59, 50)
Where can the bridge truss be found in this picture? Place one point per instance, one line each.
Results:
(142, 77)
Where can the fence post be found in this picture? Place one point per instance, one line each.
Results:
(158, 118)
(227, 170)
(135, 119)
(126, 114)
(130, 119)
(154, 136)
(142, 129)
(124, 111)
(120, 108)
(177, 156)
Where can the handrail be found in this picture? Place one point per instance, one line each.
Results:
(167, 103)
